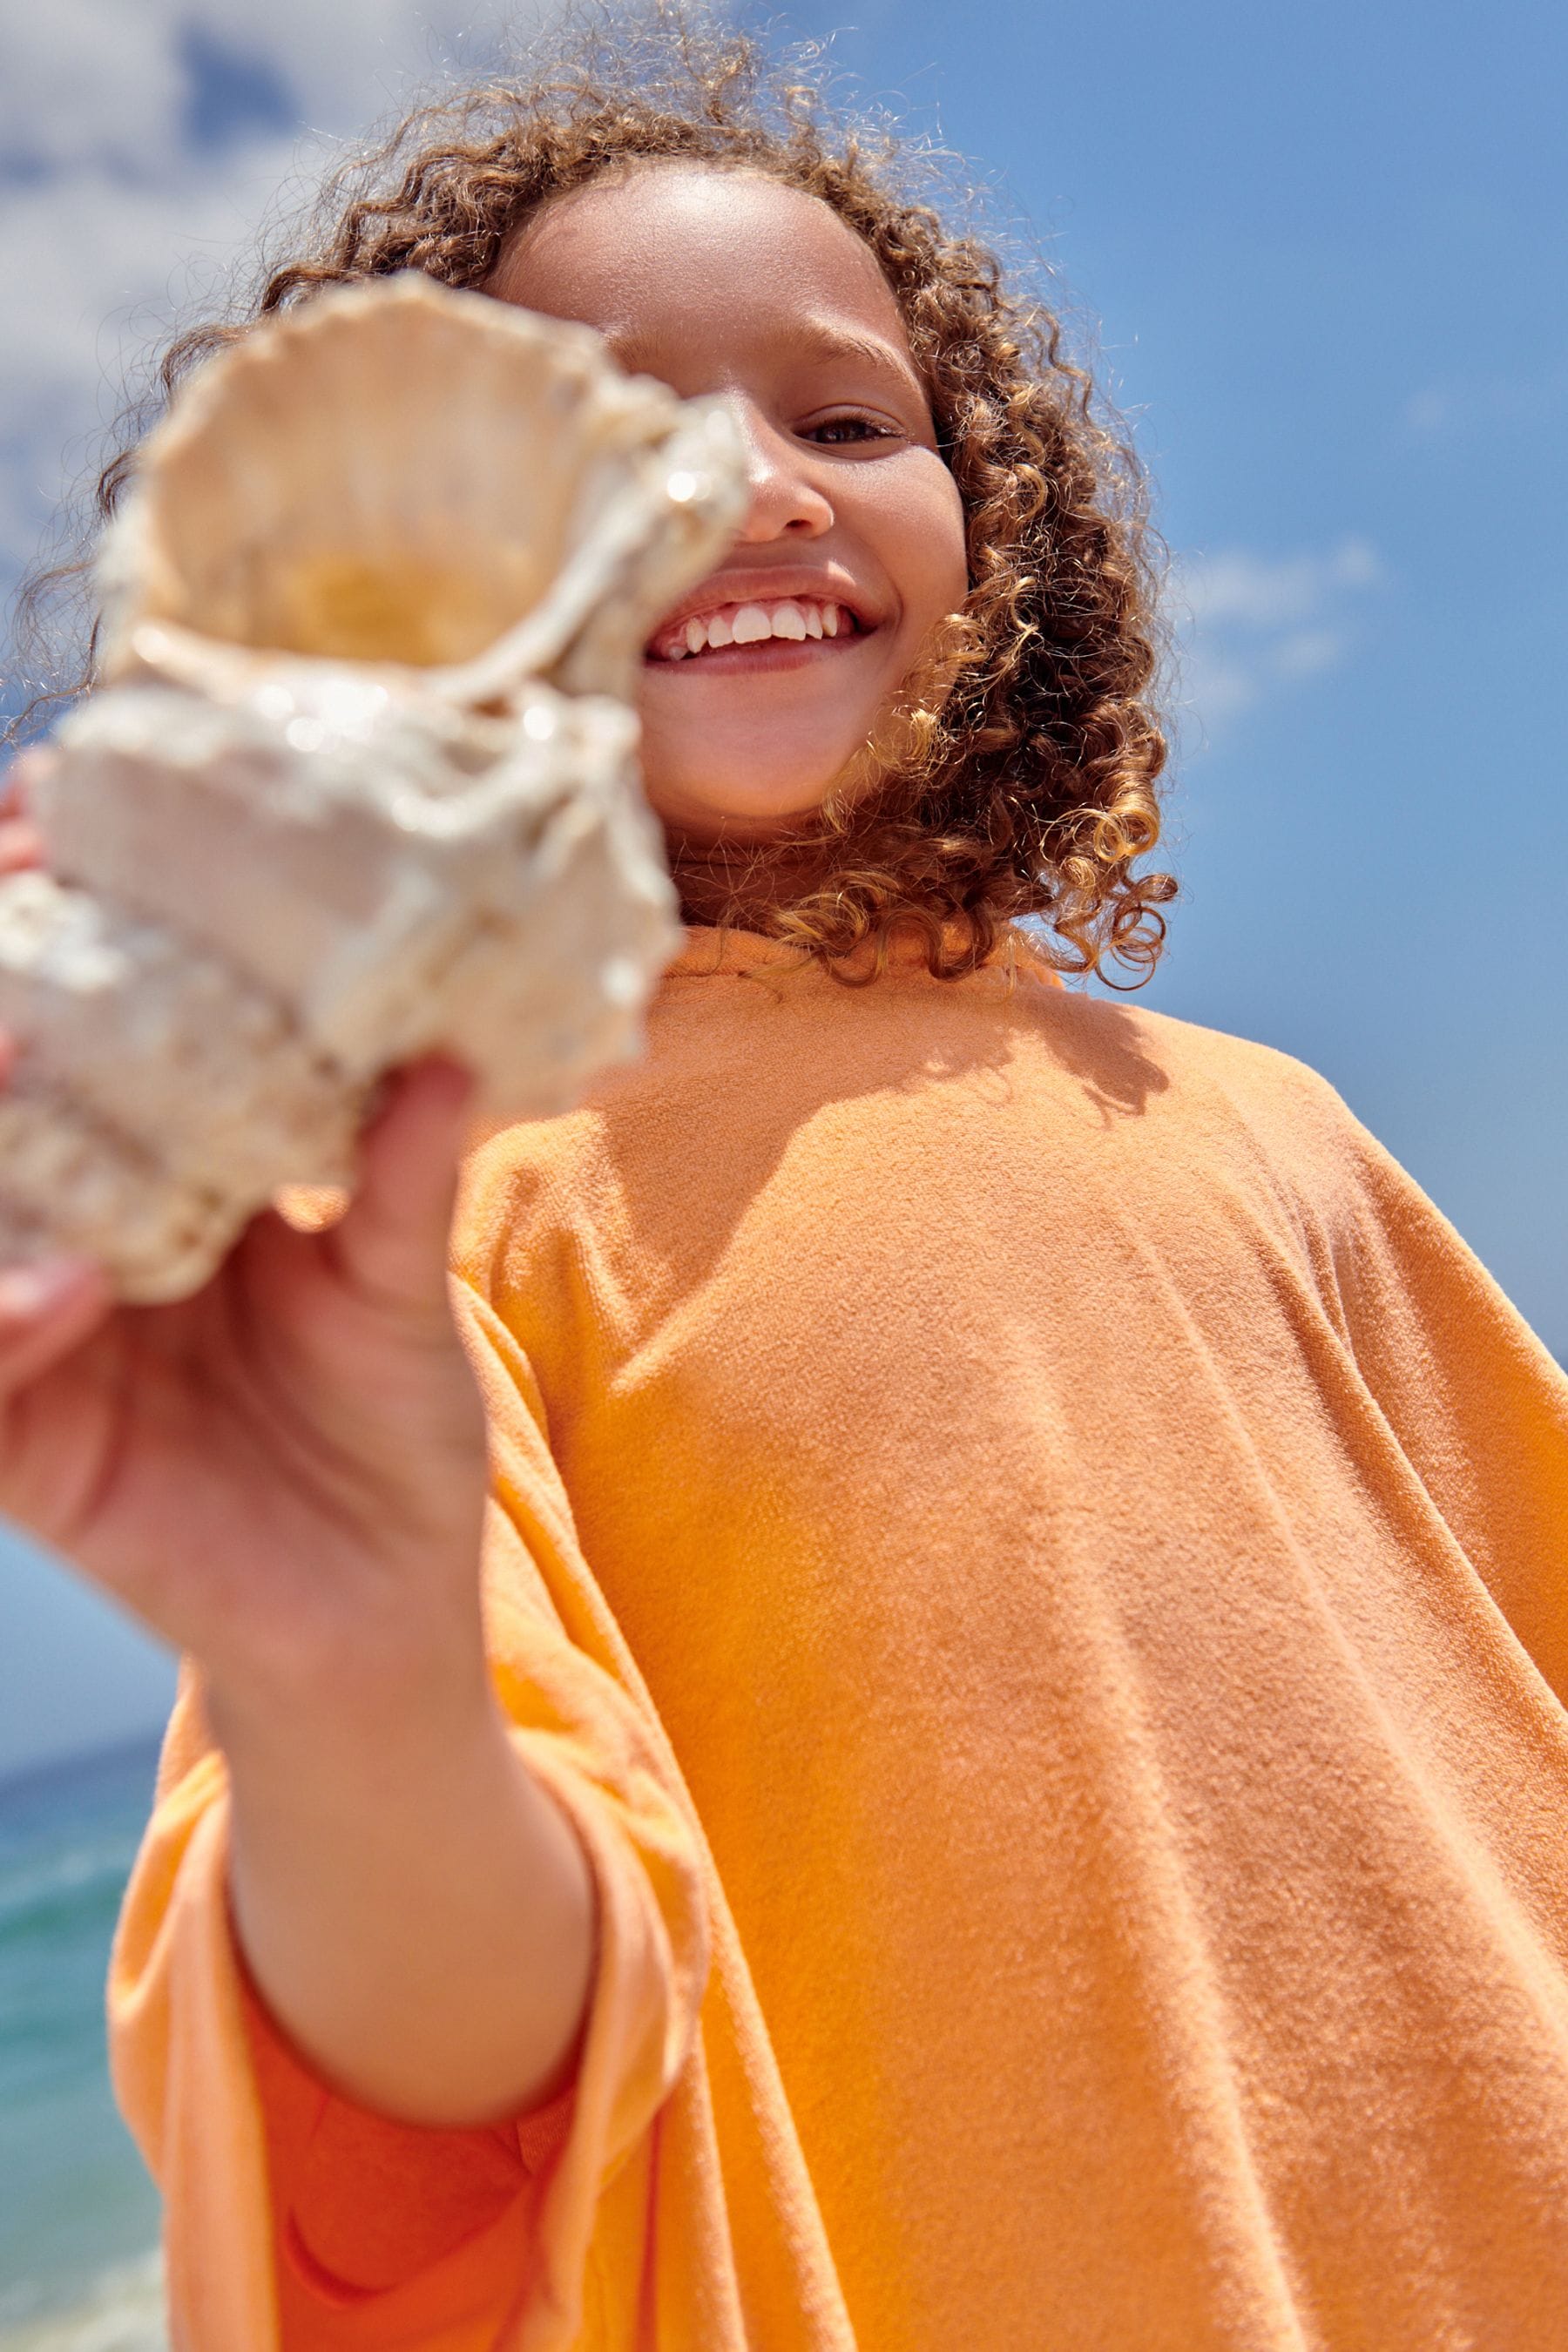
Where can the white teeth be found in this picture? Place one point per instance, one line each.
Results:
(748, 625)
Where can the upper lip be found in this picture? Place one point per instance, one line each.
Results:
(817, 583)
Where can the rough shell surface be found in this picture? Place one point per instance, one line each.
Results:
(397, 474)
(366, 783)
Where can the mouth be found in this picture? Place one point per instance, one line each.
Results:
(762, 632)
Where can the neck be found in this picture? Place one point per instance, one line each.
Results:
(741, 883)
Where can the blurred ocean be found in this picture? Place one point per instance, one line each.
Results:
(78, 2219)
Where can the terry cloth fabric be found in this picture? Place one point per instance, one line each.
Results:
(1037, 1563)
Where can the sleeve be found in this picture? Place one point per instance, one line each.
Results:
(1472, 1399)
(296, 2219)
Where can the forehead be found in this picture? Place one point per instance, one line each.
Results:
(663, 253)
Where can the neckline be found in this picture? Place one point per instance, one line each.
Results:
(710, 953)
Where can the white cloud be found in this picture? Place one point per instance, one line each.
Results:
(1251, 626)
(86, 75)
(107, 80)
(1489, 403)
(118, 219)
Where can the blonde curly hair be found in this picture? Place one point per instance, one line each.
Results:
(1018, 777)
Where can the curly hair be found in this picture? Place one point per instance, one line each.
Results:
(1017, 779)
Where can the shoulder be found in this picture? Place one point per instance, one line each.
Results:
(557, 1199)
(518, 1183)
(1190, 1069)
(1219, 1114)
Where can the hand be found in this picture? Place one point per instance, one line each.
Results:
(285, 1474)
(20, 843)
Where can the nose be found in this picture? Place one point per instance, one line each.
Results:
(785, 502)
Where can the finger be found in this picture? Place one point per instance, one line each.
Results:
(21, 844)
(27, 769)
(391, 1239)
(47, 1308)
(311, 1208)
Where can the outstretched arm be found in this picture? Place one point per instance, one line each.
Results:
(285, 1477)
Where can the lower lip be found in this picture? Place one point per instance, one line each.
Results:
(767, 654)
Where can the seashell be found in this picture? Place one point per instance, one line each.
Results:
(363, 781)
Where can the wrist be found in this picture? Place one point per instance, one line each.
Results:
(342, 1797)
(417, 1697)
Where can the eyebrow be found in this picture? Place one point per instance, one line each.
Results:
(826, 340)
(813, 337)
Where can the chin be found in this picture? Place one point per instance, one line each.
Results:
(711, 809)
(740, 775)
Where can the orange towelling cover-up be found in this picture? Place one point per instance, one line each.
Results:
(1037, 1563)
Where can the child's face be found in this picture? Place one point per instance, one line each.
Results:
(719, 281)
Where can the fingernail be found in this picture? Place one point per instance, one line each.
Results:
(27, 1291)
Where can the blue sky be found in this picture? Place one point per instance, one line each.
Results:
(1326, 251)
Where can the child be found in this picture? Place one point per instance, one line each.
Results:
(1004, 1781)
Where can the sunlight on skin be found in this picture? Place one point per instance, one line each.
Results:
(722, 281)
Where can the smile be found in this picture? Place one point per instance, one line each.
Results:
(796, 620)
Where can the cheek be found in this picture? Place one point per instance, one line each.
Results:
(921, 541)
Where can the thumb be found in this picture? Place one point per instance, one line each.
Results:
(391, 1241)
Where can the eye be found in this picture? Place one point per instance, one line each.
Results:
(845, 431)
